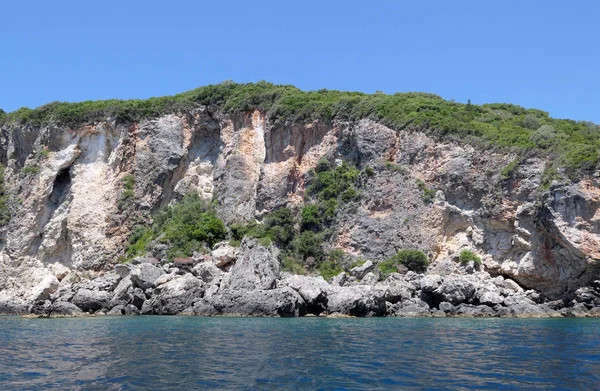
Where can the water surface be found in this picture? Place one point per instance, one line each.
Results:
(190, 353)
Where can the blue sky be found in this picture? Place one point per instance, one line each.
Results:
(542, 54)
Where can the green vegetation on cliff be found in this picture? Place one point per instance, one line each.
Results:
(184, 227)
(572, 144)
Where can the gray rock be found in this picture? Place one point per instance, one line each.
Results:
(45, 288)
(399, 290)
(447, 307)
(208, 272)
(360, 271)
(145, 275)
(60, 309)
(122, 270)
(12, 306)
(411, 310)
(490, 298)
(89, 300)
(128, 309)
(257, 268)
(477, 311)
(356, 300)
(174, 296)
(123, 293)
(223, 254)
(455, 289)
(283, 302)
(340, 279)
(313, 291)
(430, 282)
(369, 279)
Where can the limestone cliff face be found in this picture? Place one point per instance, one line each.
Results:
(71, 206)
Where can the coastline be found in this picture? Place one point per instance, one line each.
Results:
(253, 286)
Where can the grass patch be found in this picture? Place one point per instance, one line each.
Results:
(30, 170)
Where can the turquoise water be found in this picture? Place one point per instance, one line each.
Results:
(190, 353)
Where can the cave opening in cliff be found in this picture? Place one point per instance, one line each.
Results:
(60, 187)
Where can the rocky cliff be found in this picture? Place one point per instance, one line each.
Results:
(75, 193)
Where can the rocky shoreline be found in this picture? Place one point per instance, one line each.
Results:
(246, 281)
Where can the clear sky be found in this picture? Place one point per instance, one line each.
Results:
(542, 54)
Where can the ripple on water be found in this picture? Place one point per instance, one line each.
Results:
(172, 353)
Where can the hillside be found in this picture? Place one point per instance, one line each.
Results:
(363, 190)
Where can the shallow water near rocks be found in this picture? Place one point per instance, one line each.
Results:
(190, 353)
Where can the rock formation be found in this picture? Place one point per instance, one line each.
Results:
(75, 194)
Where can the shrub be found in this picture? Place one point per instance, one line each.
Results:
(531, 122)
(467, 256)
(387, 267)
(369, 171)
(293, 266)
(329, 269)
(545, 137)
(508, 170)
(279, 226)
(185, 227)
(311, 219)
(414, 260)
(428, 193)
(308, 244)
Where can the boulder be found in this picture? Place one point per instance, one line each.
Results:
(399, 290)
(47, 286)
(358, 300)
(145, 275)
(123, 293)
(340, 279)
(10, 305)
(313, 291)
(122, 270)
(369, 279)
(64, 309)
(429, 282)
(174, 296)
(455, 289)
(474, 311)
(360, 271)
(283, 302)
(257, 268)
(208, 273)
(223, 254)
(490, 298)
(410, 310)
(89, 300)
(128, 309)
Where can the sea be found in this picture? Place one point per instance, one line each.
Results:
(227, 353)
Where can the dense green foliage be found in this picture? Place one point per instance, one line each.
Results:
(185, 227)
(4, 212)
(414, 260)
(467, 256)
(572, 144)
